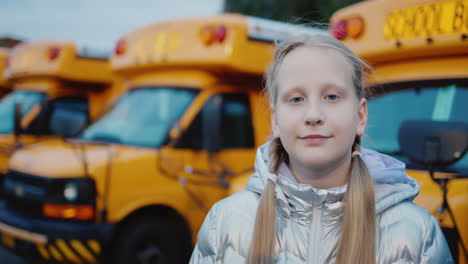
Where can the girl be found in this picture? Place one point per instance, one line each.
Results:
(316, 196)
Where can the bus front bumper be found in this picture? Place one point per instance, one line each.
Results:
(52, 241)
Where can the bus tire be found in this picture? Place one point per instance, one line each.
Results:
(152, 241)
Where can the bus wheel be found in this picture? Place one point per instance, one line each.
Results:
(152, 241)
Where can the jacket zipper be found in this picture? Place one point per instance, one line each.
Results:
(315, 234)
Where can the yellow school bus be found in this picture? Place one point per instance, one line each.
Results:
(137, 184)
(4, 85)
(56, 89)
(419, 51)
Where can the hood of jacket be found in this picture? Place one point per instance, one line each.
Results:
(392, 186)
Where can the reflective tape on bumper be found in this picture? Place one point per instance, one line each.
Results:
(55, 250)
(71, 251)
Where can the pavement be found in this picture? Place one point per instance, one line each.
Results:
(8, 258)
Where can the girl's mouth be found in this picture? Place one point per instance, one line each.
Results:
(315, 139)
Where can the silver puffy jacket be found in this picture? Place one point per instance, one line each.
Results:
(309, 219)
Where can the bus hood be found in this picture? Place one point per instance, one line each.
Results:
(9, 144)
(59, 159)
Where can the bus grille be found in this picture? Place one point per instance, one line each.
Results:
(25, 193)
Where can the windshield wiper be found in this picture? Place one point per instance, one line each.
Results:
(107, 138)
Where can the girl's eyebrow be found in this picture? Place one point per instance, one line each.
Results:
(324, 87)
(328, 86)
(296, 89)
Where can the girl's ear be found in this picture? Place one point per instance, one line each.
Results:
(362, 115)
(274, 123)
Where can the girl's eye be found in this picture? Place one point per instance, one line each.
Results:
(332, 97)
(296, 100)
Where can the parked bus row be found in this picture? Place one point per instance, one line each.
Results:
(136, 184)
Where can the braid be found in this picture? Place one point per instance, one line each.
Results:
(277, 155)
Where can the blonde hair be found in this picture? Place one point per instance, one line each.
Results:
(357, 243)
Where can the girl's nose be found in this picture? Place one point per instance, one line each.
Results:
(313, 116)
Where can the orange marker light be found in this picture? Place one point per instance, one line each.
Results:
(66, 211)
(208, 35)
(121, 47)
(53, 53)
(355, 26)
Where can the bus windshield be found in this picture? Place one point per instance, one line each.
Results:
(142, 117)
(26, 99)
(388, 111)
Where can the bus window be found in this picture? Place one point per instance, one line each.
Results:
(236, 127)
(69, 112)
(7, 107)
(417, 103)
(142, 117)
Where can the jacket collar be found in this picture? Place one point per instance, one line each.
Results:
(297, 201)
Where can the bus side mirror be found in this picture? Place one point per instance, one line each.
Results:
(17, 120)
(67, 123)
(212, 115)
(433, 144)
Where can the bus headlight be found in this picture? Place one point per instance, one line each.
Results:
(70, 191)
(79, 191)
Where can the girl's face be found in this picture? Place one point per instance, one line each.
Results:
(317, 114)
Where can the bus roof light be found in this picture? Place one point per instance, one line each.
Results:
(339, 30)
(8, 61)
(121, 47)
(208, 35)
(53, 53)
(355, 27)
(220, 33)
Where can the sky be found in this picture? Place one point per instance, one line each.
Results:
(94, 24)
